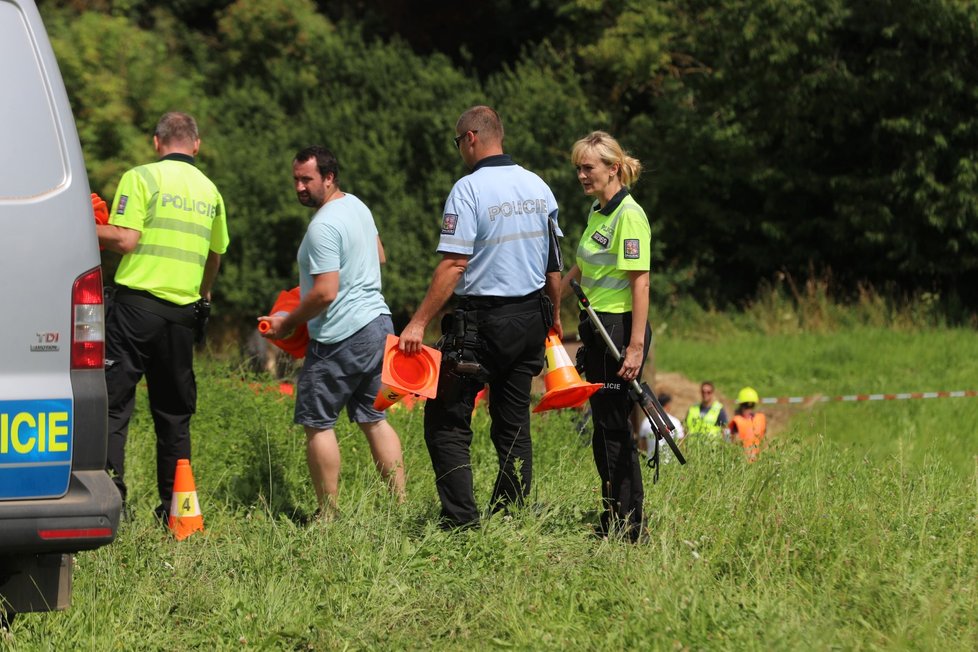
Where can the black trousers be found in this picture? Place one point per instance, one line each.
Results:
(138, 343)
(509, 342)
(615, 454)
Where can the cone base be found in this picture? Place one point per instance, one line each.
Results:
(182, 527)
(567, 397)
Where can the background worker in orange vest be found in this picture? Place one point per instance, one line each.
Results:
(747, 426)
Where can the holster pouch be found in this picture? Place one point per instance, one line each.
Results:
(585, 333)
(547, 310)
(579, 359)
(202, 314)
(585, 330)
(459, 344)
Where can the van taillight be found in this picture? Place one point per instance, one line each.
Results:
(76, 533)
(87, 322)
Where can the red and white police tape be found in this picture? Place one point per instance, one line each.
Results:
(785, 400)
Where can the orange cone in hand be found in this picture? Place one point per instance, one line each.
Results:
(565, 389)
(185, 517)
(296, 343)
(407, 374)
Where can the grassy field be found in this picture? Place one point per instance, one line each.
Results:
(856, 530)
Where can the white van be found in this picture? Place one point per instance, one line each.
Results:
(55, 496)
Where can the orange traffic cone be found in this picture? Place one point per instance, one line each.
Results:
(407, 402)
(565, 389)
(407, 374)
(185, 517)
(296, 343)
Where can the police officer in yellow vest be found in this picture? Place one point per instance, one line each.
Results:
(613, 267)
(706, 419)
(169, 223)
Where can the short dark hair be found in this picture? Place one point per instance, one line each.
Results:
(177, 127)
(325, 160)
(484, 120)
(664, 399)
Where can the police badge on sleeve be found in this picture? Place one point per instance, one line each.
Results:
(631, 248)
(448, 224)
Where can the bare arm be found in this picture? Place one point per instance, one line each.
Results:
(573, 275)
(119, 239)
(634, 352)
(380, 251)
(211, 267)
(447, 274)
(323, 292)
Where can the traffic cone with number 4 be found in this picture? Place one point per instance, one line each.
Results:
(185, 516)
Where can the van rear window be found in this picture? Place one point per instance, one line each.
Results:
(32, 157)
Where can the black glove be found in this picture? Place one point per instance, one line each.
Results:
(202, 312)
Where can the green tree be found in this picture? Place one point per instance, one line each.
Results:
(381, 109)
(800, 134)
(120, 80)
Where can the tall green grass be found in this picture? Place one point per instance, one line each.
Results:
(856, 530)
(862, 360)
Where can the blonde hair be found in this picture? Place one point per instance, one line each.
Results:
(610, 152)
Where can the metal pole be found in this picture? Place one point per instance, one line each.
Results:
(661, 424)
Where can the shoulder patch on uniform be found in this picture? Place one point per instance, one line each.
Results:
(631, 248)
(122, 205)
(600, 239)
(448, 224)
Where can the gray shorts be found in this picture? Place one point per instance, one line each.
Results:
(344, 374)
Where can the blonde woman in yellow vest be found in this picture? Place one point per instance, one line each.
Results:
(613, 261)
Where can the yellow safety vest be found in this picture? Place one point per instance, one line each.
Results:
(614, 244)
(704, 425)
(180, 216)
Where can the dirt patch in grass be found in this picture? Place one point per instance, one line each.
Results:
(686, 392)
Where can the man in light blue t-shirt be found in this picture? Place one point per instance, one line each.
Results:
(348, 320)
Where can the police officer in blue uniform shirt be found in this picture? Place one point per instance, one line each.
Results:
(501, 258)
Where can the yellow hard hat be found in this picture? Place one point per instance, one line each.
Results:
(748, 395)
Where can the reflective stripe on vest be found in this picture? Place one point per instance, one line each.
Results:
(176, 230)
(705, 425)
(607, 287)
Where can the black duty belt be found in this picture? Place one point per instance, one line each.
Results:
(182, 315)
(501, 306)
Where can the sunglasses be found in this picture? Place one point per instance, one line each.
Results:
(458, 138)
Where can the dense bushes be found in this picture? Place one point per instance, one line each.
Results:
(778, 136)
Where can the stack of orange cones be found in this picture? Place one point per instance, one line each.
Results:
(185, 516)
(405, 374)
(296, 343)
(408, 402)
(564, 386)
